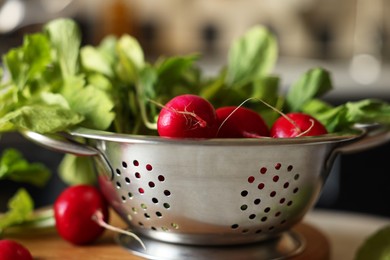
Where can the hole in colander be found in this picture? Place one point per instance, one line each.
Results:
(244, 193)
(161, 178)
(127, 180)
(166, 205)
(149, 167)
(289, 168)
(267, 209)
(118, 172)
(118, 184)
(258, 231)
(289, 203)
(260, 186)
(272, 194)
(257, 201)
(135, 211)
(296, 177)
(263, 219)
(263, 170)
(234, 226)
(141, 191)
(130, 195)
(124, 164)
(153, 228)
(282, 200)
(277, 214)
(277, 166)
(141, 224)
(151, 184)
(167, 193)
(137, 175)
(283, 221)
(286, 184)
(135, 163)
(251, 179)
(175, 225)
(244, 207)
(245, 231)
(164, 228)
(143, 206)
(252, 216)
(155, 200)
(271, 228)
(147, 215)
(296, 190)
(158, 214)
(123, 199)
(275, 178)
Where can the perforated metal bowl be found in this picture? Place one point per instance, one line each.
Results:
(216, 191)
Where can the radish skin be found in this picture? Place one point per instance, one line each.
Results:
(12, 250)
(187, 116)
(295, 125)
(240, 122)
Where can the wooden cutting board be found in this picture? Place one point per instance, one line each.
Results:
(49, 245)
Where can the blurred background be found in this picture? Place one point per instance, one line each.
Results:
(351, 38)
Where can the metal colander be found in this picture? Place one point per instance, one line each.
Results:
(216, 191)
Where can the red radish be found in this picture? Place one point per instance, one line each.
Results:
(238, 122)
(81, 215)
(187, 116)
(12, 250)
(295, 125)
(73, 211)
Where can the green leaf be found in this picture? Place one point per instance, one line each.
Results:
(95, 106)
(131, 58)
(251, 57)
(93, 60)
(14, 166)
(77, 170)
(65, 38)
(314, 83)
(29, 60)
(343, 117)
(377, 246)
(40, 118)
(172, 69)
(20, 207)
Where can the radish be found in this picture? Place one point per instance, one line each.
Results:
(238, 122)
(187, 116)
(12, 250)
(81, 215)
(297, 124)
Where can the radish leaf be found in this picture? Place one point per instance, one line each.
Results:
(20, 207)
(314, 83)
(251, 56)
(14, 167)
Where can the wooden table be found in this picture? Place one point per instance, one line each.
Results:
(49, 245)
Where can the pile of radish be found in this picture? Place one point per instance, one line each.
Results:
(191, 116)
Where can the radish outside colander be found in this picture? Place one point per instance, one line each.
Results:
(211, 192)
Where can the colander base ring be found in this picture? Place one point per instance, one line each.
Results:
(288, 244)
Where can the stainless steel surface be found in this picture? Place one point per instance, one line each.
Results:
(287, 245)
(216, 191)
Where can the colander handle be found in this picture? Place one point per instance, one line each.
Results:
(373, 135)
(61, 145)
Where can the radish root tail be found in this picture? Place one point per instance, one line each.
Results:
(202, 123)
(271, 107)
(98, 218)
(307, 130)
